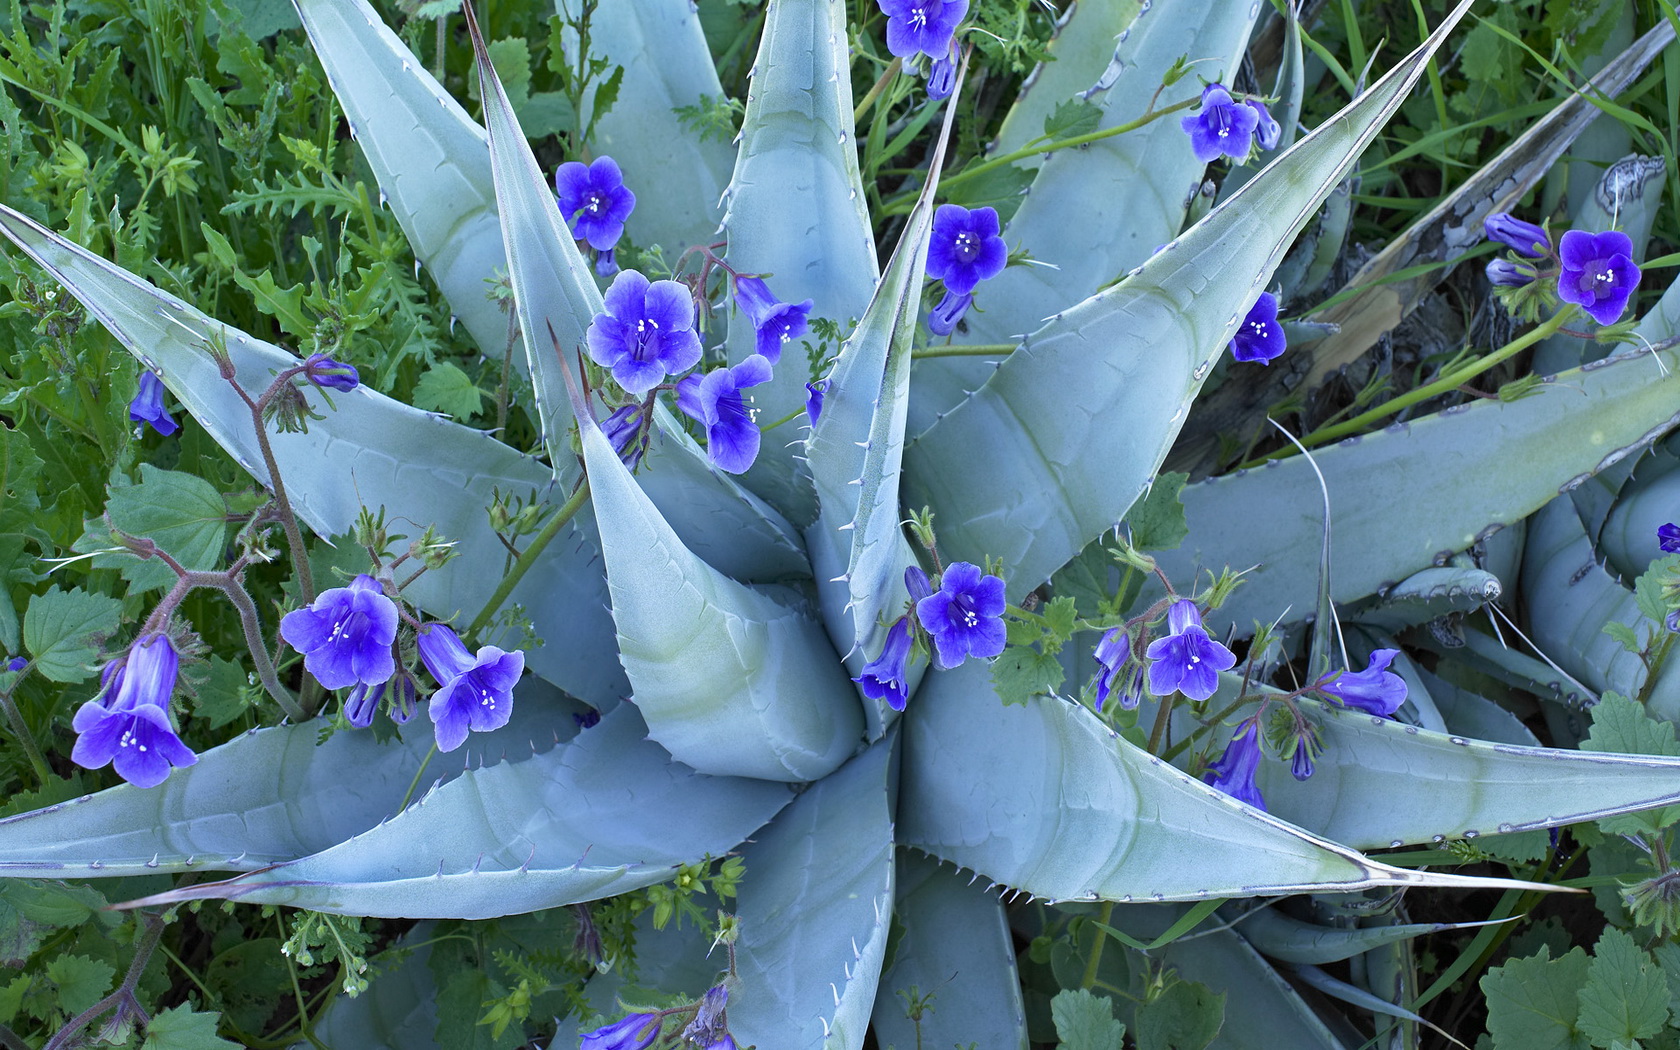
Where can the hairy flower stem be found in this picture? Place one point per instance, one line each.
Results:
(288, 520)
(21, 730)
(875, 91)
(532, 551)
(1448, 382)
(1163, 715)
(1105, 915)
(150, 933)
(252, 627)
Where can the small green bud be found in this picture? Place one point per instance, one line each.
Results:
(921, 527)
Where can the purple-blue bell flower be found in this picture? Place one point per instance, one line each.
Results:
(1510, 273)
(646, 333)
(814, 400)
(634, 1032)
(402, 693)
(922, 27)
(710, 1024)
(916, 582)
(363, 703)
(1375, 689)
(623, 431)
(943, 318)
(885, 677)
(1668, 538)
(345, 636)
(1114, 653)
(606, 263)
(965, 248)
(1267, 131)
(1672, 620)
(777, 323)
(323, 371)
(1301, 766)
(1260, 337)
(1234, 772)
(474, 692)
(1221, 126)
(1599, 273)
(147, 406)
(1524, 238)
(127, 725)
(1187, 659)
(965, 616)
(17, 663)
(942, 78)
(727, 1042)
(715, 400)
(594, 201)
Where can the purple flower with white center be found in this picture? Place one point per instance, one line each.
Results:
(147, 406)
(127, 725)
(1599, 273)
(474, 691)
(646, 333)
(1267, 131)
(777, 323)
(885, 677)
(1524, 238)
(965, 248)
(1234, 772)
(1114, 653)
(623, 430)
(814, 400)
(594, 201)
(1668, 538)
(1375, 689)
(345, 636)
(634, 1032)
(1510, 274)
(716, 401)
(922, 27)
(323, 371)
(1222, 126)
(1259, 337)
(942, 78)
(943, 318)
(363, 703)
(1187, 659)
(965, 616)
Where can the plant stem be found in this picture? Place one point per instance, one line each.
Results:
(21, 731)
(288, 520)
(976, 350)
(1163, 715)
(151, 932)
(529, 557)
(1104, 916)
(879, 86)
(253, 638)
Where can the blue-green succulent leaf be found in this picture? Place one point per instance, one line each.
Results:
(266, 796)
(1082, 49)
(1078, 418)
(953, 941)
(731, 681)
(1044, 798)
(795, 210)
(361, 454)
(1288, 939)
(606, 813)
(429, 158)
(1430, 593)
(1467, 714)
(815, 910)
(678, 177)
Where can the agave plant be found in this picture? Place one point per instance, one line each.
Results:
(737, 614)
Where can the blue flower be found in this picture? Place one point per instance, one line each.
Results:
(916, 582)
(635, 1032)
(1375, 689)
(814, 400)
(647, 332)
(323, 371)
(710, 1025)
(922, 26)
(1267, 131)
(363, 703)
(1260, 337)
(16, 663)
(1114, 653)
(1186, 660)
(715, 400)
(1234, 772)
(1510, 274)
(1668, 538)
(965, 248)
(147, 406)
(127, 725)
(776, 322)
(1222, 126)
(943, 318)
(474, 692)
(1598, 273)
(1301, 765)
(346, 634)
(624, 431)
(965, 616)
(1524, 238)
(942, 78)
(885, 677)
(594, 201)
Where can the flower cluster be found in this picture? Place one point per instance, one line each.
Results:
(1224, 127)
(708, 1030)
(926, 27)
(1595, 271)
(127, 725)
(964, 250)
(963, 617)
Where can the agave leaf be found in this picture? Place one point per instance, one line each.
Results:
(429, 158)
(678, 177)
(1431, 593)
(266, 796)
(603, 814)
(1043, 798)
(795, 210)
(730, 681)
(1082, 413)
(1406, 496)
(1649, 500)
(360, 454)
(1097, 211)
(816, 909)
(1290, 940)
(1468, 714)
(1081, 53)
(952, 941)
(1381, 297)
